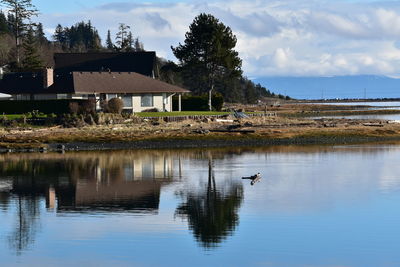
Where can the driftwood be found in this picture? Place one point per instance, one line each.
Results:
(232, 131)
(373, 124)
(221, 120)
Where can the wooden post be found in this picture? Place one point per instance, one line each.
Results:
(180, 102)
(210, 97)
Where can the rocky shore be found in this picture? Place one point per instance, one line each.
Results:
(259, 131)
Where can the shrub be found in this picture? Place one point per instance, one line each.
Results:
(115, 105)
(72, 120)
(151, 110)
(104, 105)
(88, 107)
(199, 103)
(74, 107)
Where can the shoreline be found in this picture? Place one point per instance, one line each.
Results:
(284, 129)
(175, 143)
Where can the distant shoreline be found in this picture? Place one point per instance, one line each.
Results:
(346, 100)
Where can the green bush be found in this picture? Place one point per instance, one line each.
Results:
(198, 103)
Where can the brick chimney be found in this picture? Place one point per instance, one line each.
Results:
(48, 77)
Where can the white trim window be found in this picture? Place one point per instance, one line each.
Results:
(62, 96)
(127, 99)
(22, 97)
(111, 96)
(147, 100)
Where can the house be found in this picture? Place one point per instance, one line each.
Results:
(99, 76)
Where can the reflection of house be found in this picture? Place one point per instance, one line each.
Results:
(139, 196)
(100, 76)
(152, 168)
(145, 167)
(130, 181)
(132, 185)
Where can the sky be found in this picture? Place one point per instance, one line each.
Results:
(275, 38)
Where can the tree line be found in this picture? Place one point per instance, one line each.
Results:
(208, 63)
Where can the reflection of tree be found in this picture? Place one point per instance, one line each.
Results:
(26, 224)
(213, 215)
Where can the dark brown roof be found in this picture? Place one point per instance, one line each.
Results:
(86, 83)
(21, 83)
(140, 62)
(120, 82)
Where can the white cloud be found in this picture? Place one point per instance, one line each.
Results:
(287, 37)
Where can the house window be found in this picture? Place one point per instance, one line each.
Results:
(111, 96)
(23, 97)
(147, 100)
(148, 169)
(127, 99)
(62, 96)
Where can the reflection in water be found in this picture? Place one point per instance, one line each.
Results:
(36, 188)
(212, 214)
(79, 183)
(26, 224)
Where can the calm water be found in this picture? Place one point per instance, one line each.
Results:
(374, 104)
(315, 206)
(389, 117)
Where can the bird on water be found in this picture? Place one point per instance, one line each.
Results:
(254, 178)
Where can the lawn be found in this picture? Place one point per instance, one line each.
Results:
(18, 116)
(12, 116)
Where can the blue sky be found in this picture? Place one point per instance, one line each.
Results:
(275, 37)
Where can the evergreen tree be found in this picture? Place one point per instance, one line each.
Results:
(31, 61)
(81, 37)
(208, 54)
(138, 46)
(121, 38)
(39, 34)
(4, 28)
(22, 11)
(109, 43)
(129, 42)
(60, 36)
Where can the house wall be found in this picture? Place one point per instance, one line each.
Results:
(158, 102)
(45, 97)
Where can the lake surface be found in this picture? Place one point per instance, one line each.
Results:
(388, 117)
(374, 106)
(383, 104)
(315, 206)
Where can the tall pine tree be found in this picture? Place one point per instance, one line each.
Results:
(39, 34)
(121, 38)
(31, 61)
(207, 55)
(4, 28)
(109, 43)
(22, 11)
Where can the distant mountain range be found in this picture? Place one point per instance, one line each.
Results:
(361, 86)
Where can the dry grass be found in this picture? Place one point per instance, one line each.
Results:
(271, 128)
(265, 128)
